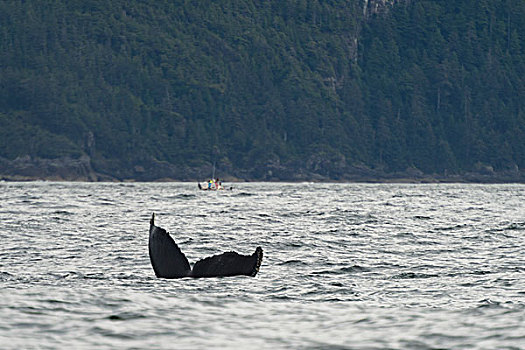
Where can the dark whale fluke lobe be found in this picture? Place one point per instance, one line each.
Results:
(166, 257)
(169, 261)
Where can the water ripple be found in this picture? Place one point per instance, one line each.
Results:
(346, 266)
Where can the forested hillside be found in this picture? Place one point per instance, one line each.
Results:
(266, 90)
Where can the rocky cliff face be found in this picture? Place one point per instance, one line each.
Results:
(60, 169)
(371, 7)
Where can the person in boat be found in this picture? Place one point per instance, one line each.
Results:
(210, 183)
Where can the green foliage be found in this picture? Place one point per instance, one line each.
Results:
(453, 79)
(436, 85)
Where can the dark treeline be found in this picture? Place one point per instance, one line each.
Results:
(265, 89)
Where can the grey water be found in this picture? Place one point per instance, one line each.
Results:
(346, 266)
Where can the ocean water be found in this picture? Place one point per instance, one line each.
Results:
(346, 266)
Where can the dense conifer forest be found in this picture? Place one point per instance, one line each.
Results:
(263, 90)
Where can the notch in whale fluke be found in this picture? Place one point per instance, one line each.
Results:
(169, 261)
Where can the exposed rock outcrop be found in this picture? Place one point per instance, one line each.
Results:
(371, 7)
(59, 169)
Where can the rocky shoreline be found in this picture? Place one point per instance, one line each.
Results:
(82, 169)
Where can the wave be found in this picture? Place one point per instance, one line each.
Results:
(343, 270)
(414, 275)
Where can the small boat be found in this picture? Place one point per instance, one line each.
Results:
(211, 185)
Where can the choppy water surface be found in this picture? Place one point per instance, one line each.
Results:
(352, 266)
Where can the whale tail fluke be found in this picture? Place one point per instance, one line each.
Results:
(168, 261)
(228, 264)
(259, 256)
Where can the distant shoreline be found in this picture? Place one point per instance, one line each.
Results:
(468, 179)
(81, 169)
